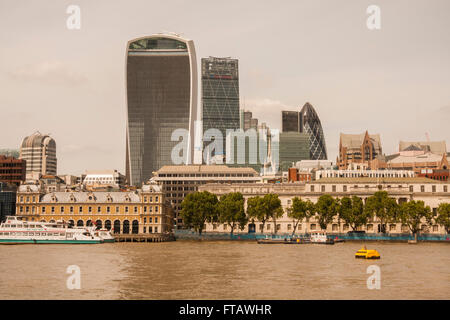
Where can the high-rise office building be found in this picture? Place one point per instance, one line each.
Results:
(220, 97)
(291, 121)
(247, 120)
(39, 152)
(311, 124)
(293, 147)
(161, 80)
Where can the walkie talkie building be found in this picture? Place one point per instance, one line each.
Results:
(161, 80)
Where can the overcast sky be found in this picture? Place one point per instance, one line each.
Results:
(70, 83)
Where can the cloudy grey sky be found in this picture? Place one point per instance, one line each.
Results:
(70, 83)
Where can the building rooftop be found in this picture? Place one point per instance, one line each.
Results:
(438, 147)
(205, 169)
(360, 180)
(100, 196)
(354, 141)
(427, 157)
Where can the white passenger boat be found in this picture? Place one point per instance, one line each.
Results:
(105, 235)
(15, 230)
(320, 237)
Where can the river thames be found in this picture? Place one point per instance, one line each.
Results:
(224, 270)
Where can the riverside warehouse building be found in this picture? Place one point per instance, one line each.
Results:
(401, 189)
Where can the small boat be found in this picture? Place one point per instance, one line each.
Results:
(293, 240)
(17, 231)
(320, 237)
(364, 253)
(105, 235)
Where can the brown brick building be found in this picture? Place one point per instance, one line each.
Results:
(12, 170)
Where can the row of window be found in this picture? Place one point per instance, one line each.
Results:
(205, 175)
(334, 227)
(380, 187)
(89, 209)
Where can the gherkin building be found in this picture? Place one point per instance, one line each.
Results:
(311, 125)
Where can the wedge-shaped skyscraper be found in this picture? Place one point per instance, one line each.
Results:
(161, 80)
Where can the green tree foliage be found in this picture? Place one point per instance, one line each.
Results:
(443, 217)
(412, 214)
(351, 210)
(326, 207)
(383, 207)
(255, 210)
(231, 211)
(274, 210)
(265, 208)
(198, 208)
(300, 210)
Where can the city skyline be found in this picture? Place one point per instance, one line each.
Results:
(75, 88)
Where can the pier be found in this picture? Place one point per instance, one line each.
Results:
(143, 237)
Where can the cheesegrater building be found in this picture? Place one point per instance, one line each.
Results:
(161, 80)
(220, 97)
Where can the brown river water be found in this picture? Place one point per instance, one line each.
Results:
(224, 270)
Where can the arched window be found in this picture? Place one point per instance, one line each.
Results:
(80, 223)
(116, 226)
(98, 224)
(126, 227)
(108, 224)
(135, 227)
(88, 223)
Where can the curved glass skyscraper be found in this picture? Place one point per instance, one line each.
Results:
(311, 125)
(161, 80)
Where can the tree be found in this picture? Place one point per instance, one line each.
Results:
(300, 210)
(412, 214)
(255, 209)
(383, 207)
(272, 205)
(326, 208)
(443, 217)
(351, 210)
(231, 211)
(197, 208)
(265, 208)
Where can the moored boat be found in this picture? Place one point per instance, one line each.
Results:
(320, 237)
(17, 231)
(105, 235)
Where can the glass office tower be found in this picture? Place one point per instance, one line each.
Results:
(161, 80)
(291, 121)
(220, 96)
(313, 126)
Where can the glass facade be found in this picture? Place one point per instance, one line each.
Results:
(220, 96)
(312, 126)
(159, 89)
(293, 147)
(291, 121)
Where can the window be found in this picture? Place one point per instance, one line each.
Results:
(411, 188)
(312, 188)
(108, 209)
(43, 209)
(445, 189)
(323, 188)
(145, 230)
(278, 227)
(135, 209)
(156, 229)
(333, 188)
(89, 209)
(145, 209)
(345, 188)
(435, 228)
(289, 226)
(334, 227)
(313, 226)
(99, 209)
(150, 220)
(156, 199)
(422, 188)
(53, 209)
(62, 209)
(268, 226)
(81, 209)
(433, 188)
(150, 230)
(156, 219)
(71, 209)
(117, 210)
(126, 209)
(156, 209)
